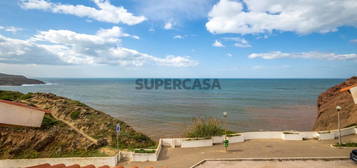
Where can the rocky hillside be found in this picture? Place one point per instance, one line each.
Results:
(57, 138)
(326, 103)
(17, 80)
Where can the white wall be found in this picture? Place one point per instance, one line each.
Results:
(262, 135)
(21, 116)
(174, 142)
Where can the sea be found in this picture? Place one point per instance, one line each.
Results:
(251, 104)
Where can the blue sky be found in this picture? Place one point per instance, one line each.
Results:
(187, 38)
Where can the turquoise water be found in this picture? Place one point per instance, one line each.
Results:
(252, 104)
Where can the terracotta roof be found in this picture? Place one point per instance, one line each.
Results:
(348, 88)
(23, 105)
(46, 165)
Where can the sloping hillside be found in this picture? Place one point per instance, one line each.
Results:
(17, 80)
(59, 135)
(327, 102)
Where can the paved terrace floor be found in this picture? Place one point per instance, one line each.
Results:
(280, 164)
(186, 157)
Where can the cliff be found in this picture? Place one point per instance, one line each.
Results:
(72, 129)
(17, 80)
(327, 102)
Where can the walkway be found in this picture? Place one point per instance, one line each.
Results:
(76, 129)
(186, 157)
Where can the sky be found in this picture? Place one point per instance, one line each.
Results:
(179, 39)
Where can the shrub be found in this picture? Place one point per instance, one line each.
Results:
(232, 135)
(75, 115)
(26, 96)
(349, 144)
(48, 121)
(10, 95)
(205, 128)
(144, 151)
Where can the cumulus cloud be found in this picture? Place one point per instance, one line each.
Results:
(166, 10)
(217, 44)
(168, 25)
(11, 29)
(301, 16)
(305, 55)
(239, 42)
(178, 37)
(68, 47)
(353, 40)
(106, 12)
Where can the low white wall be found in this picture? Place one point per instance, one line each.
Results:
(345, 131)
(292, 136)
(235, 139)
(308, 134)
(217, 139)
(174, 142)
(196, 143)
(142, 157)
(82, 161)
(326, 136)
(262, 135)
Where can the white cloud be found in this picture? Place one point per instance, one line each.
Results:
(106, 12)
(229, 54)
(178, 37)
(353, 40)
(217, 44)
(68, 47)
(305, 55)
(301, 16)
(11, 29)
(178, 10)
(168, 25)
(239, 42)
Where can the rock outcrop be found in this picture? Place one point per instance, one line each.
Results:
(17, 80)
(327, 102)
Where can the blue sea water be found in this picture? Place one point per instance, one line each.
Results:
(252, 104)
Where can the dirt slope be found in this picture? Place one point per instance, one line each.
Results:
(326, 103)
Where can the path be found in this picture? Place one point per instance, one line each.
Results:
(76, 129)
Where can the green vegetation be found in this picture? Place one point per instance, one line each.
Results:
(205, 128)
(144, 150)
(287, 132)
(26, 96)
(48, 121)
(200, 138)
(76, 102)
(349, 144)
(324, 132)
(96, 123)
(80, 153)
(10, 95)
(13, 95)
(351, 125)
(29, 154)
(232, 135)
(75, 115)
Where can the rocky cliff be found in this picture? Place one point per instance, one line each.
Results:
(17, 80)
(327, 102)
(72, 129)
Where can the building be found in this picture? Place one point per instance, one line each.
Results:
(18, 114)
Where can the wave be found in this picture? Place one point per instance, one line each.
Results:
(46, 84)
